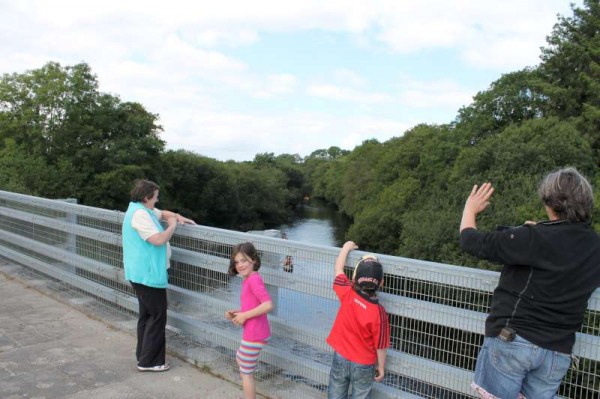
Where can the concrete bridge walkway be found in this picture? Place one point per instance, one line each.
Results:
(49, 350)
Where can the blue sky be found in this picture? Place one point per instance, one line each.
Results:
(231, 79)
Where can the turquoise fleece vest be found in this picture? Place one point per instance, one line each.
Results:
(144, 262)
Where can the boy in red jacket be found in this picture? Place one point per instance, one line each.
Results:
(361, 333)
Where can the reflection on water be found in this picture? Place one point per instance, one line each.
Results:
(317, 223)
(312, 231)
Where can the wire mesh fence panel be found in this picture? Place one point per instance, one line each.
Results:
(436, 311)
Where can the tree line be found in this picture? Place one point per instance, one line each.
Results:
(61, 137)
(405, 195)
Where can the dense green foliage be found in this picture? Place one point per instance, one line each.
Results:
(405, 196)
(61, 137)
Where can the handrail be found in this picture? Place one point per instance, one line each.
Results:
(437, 311)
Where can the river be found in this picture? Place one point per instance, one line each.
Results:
(316, 223)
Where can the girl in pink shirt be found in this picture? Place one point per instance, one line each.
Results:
(255, 304)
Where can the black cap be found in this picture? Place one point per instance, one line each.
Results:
(368, 273)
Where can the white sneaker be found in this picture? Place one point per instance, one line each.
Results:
(162, 367)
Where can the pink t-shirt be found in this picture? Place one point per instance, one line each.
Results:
(253, 294)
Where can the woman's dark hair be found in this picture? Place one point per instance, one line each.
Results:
(143, 190)
(248, 250)
(568, 194)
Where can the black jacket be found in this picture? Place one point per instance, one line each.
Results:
(550, 271)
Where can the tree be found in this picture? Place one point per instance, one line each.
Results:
(92, 144)
(261, 194)
(570, 61)
(264, 158)
(571, 68)
(512, 99)
(378, 227)
(292, 166)
(330, 153)
(200, 187)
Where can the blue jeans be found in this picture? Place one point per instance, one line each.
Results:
(505, 369)
(344, 374)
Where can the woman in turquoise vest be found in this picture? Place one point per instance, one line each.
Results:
(146, 254)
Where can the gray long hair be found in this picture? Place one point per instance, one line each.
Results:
(568, 194)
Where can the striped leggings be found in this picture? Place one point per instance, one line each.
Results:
(247, 355)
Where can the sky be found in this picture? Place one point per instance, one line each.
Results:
(233, 78)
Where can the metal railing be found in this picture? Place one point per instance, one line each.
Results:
(436, 311)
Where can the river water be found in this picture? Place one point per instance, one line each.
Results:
(316, 223)
(313, 224)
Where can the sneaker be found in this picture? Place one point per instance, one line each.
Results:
(162, 367)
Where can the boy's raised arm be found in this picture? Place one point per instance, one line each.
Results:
(343, 255)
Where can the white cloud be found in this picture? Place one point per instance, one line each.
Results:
(487, 34)
(214, 38)
(276, 85)
(432, 94)
(182, 55)
(513, 28)
(348, 77)
(240, 136)
(333, 92)
(192, 62)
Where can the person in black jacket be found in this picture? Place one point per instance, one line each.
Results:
(551, 269)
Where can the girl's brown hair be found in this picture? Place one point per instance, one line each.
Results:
(248, 250)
